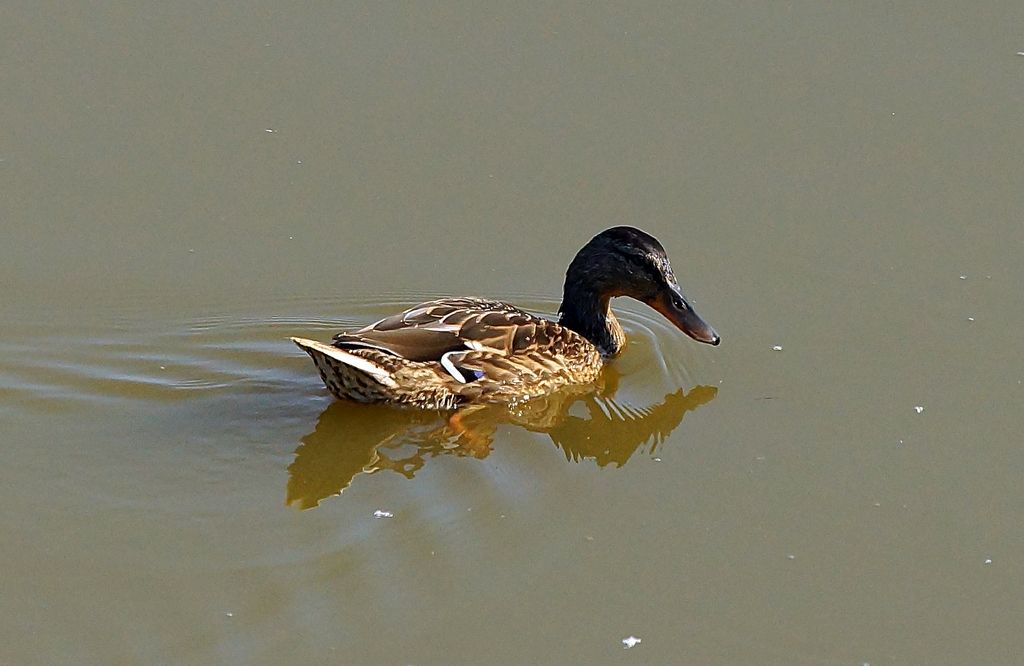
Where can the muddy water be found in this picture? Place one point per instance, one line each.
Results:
(840, 189)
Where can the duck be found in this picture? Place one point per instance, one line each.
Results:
(451, 353)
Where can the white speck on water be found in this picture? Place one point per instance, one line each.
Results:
(918, 409)
(1020, 53)
(269, 131)
(877, 504)
(229, 614)
(163, 367)
(790, 557)
(988, 560)
(588, 538)
(657, 460)
(963, 277)
(192, 250)
(970, 319)
(298, 161)
(900, 443)
(380, 513)
(777, 348)
(630, 642)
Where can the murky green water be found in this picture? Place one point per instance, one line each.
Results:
(182, 187)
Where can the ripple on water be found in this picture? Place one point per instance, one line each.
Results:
(135, 354)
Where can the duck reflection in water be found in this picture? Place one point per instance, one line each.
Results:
(352, 439)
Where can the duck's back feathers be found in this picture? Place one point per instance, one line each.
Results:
(428, 331)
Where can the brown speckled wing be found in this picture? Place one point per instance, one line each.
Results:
(487, 328)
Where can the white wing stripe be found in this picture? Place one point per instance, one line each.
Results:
(447, 364)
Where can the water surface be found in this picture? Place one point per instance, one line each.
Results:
(185, 186)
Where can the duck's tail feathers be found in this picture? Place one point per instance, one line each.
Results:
(323, 355)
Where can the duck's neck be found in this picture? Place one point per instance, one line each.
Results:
(589, 313)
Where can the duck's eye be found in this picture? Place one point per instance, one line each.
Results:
(678, 303)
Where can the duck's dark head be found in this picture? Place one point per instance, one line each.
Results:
(624, 261)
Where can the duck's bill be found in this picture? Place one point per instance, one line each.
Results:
(686, 319)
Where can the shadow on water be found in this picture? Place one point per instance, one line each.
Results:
(352, 439)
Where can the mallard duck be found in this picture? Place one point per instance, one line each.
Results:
(451, 352)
